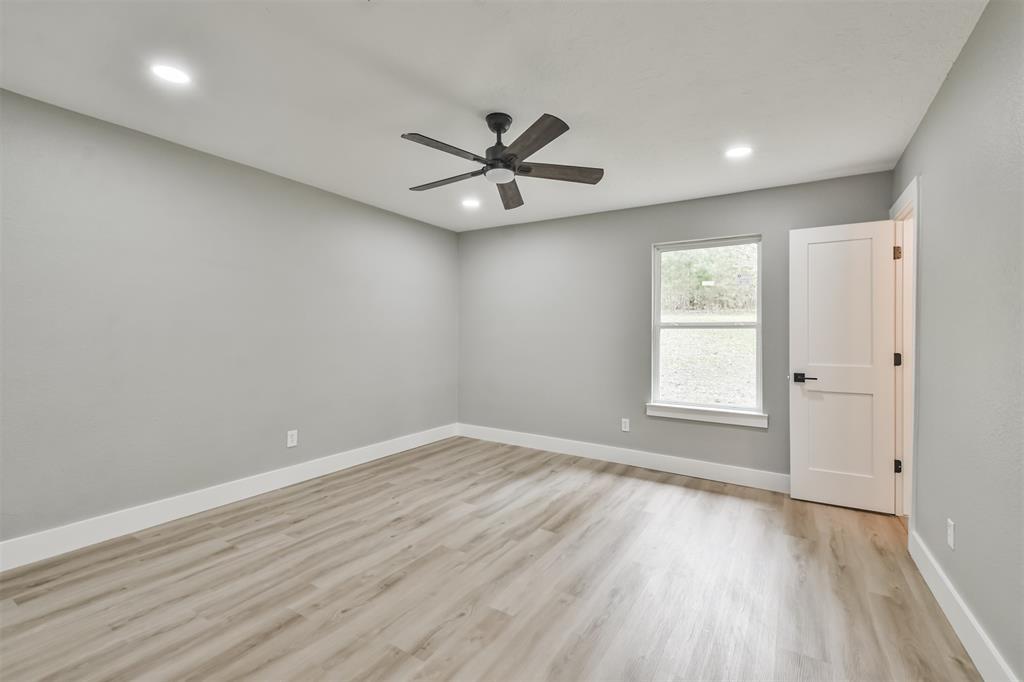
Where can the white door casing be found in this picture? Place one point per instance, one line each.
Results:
(842, 337)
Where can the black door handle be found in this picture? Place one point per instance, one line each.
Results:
(800, 377)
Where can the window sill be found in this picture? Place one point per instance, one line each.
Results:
(707, 414)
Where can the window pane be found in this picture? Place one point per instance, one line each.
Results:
(716, 284)
(709, 366)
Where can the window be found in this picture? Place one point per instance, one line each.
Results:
(706, 361)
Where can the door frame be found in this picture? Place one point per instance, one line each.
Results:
(906, 211)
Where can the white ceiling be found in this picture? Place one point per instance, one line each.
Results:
(653, 92)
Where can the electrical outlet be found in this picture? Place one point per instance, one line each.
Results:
(951, 533)
(293, 438)
(625, 425)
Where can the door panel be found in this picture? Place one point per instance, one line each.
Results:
(842, 337)
(840, 437)
(839, 303)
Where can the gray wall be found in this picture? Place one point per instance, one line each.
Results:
(970, 372)
(555, 318)
(168, 315)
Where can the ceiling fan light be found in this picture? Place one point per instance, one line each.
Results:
(499, 176)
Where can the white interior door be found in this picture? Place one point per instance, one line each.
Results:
(841, 339)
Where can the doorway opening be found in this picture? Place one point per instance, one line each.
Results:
(852, 359)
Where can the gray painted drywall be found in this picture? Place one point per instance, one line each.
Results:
(968, 155)
(168, 315)
(555, 318)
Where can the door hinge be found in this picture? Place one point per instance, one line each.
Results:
(897, 252)
(897, 359)
(899, 466)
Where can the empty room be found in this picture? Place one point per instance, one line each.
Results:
(512, 341)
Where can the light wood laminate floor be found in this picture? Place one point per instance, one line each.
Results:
(477, 561)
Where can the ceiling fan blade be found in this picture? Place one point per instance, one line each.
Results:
(510, 196)
(553, 171)
(544, 130)
(443, 146)
(447, 181)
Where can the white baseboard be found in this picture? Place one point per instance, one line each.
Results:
(987, 659)
(726, 473)
(48, 543)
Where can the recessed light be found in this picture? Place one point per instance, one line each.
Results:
(471, 202)
(738, 152)
(171, 74)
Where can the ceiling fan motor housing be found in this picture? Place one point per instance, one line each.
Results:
(499, 170)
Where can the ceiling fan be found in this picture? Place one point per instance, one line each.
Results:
(502, 164)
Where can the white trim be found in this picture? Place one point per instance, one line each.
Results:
(708, 414)
(708, 242)
(53, 541)
(708, 325)
(906, 211)
(657, 325)
(986, 657)
(726, 473)
(908, 200)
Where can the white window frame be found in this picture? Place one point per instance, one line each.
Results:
(656, 407)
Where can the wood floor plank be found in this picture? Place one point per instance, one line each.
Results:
(469, 560)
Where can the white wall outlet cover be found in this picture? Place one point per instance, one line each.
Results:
(293, 438)
(625, 425)
(951, 533)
